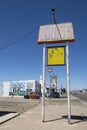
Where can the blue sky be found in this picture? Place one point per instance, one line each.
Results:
(23, 60)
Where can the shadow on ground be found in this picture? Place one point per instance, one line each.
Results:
(74, 119)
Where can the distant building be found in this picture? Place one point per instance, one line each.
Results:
(53, 83)
(1, 90)
(84, 90)
(20, 87)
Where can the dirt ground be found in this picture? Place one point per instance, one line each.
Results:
(17, 104)
(21, 105)
(55, 114)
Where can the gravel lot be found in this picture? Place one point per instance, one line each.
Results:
(17, 104)
(21, 105)
(55, 114)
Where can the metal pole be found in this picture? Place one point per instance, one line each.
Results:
(68, 84)
(43, 89)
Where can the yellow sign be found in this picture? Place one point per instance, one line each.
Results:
(56, 55)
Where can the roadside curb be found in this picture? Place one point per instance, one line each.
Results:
(8, 117)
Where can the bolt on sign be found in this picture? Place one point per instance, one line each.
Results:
(55, 56)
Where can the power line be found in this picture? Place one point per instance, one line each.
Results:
(17, 40)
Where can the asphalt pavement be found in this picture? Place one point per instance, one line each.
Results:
(82, 96)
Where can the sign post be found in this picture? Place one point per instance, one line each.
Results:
(43, 87)
(68, 83)
(56, 33)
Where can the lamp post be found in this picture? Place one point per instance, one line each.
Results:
(54, 14)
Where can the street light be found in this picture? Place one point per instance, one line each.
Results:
(54, 14)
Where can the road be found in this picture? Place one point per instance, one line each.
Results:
(82, 96)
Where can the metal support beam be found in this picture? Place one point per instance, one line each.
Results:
(43, 87)
(68, 83)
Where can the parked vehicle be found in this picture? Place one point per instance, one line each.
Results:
(54, 95)
(47, 94)
(26, 96)
(32, 95)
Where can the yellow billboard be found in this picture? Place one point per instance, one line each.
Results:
(56, 55)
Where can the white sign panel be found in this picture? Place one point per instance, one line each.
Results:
(56, 33)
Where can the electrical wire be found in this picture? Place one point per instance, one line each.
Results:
(17, 40)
